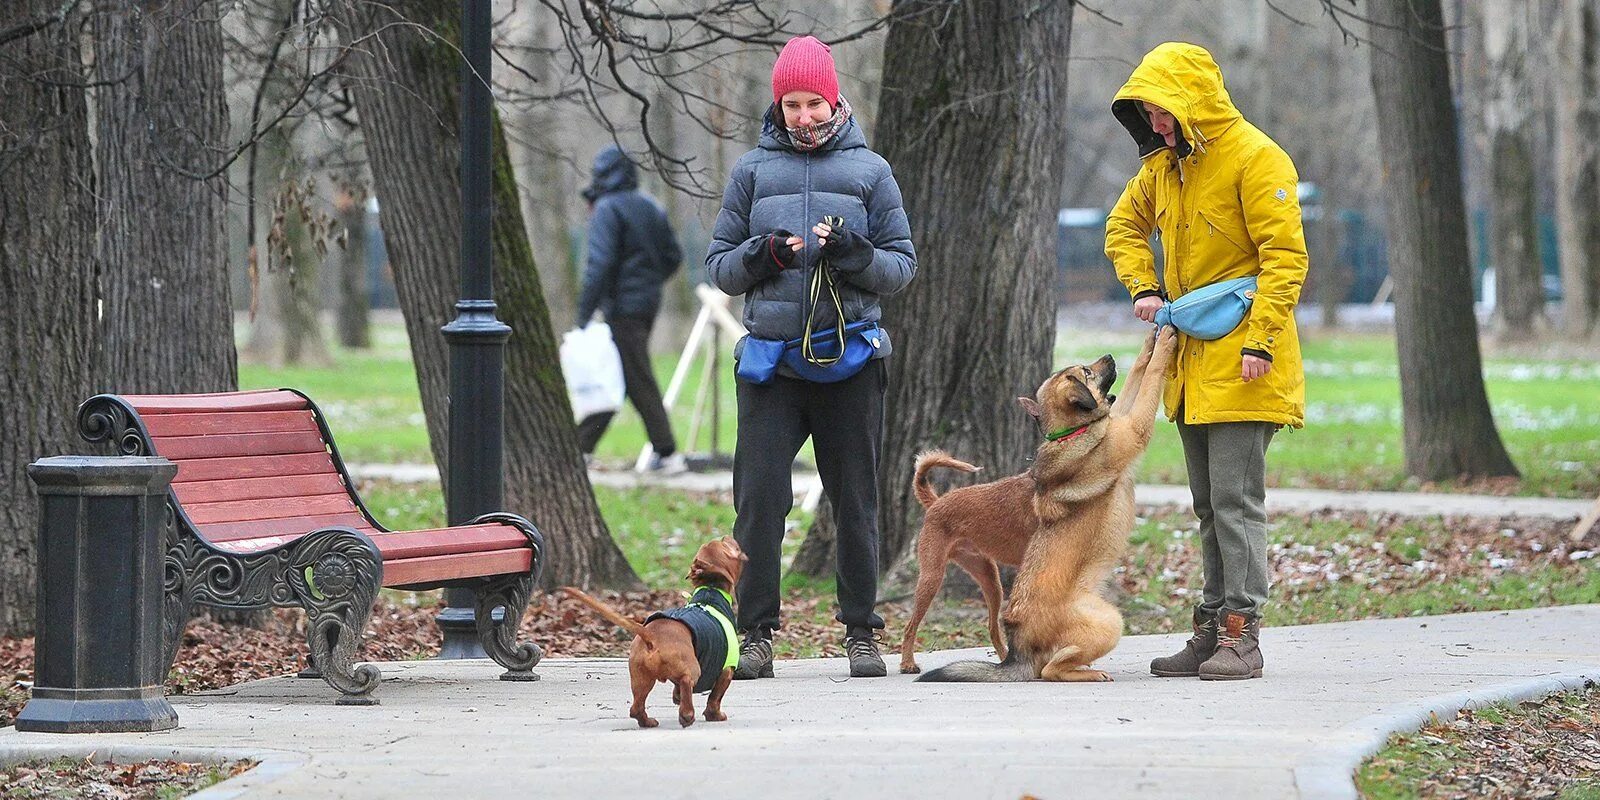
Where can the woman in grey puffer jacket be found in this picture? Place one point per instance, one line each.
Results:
(812, 163)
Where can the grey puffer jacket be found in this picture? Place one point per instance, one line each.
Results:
(775, 187)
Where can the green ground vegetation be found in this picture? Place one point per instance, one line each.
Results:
(1547, 747)
(1543, 403)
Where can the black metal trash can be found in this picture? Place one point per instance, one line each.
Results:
(98, 656)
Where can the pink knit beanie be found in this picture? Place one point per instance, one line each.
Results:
(805, 65)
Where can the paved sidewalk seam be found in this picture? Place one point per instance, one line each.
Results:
(1328, 773)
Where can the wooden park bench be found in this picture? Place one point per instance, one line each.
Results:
(262, 513)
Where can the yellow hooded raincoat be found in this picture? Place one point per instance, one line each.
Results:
(1224, 204)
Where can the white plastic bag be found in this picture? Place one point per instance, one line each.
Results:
(593, 369)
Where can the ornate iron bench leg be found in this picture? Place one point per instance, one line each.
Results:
(335, 574)
(499, 638)
(176, 604)
(511, 593)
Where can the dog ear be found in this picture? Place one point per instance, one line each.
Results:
(1081, 396)
(1030, 406)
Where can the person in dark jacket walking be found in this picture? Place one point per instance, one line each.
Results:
(812, 163)
(632, 251)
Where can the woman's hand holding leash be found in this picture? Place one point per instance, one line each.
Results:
(847, 250)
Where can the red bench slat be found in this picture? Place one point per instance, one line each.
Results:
(418, 544)
(432, 569)
(180, 448)
(212, 469)
(256, 545)
(444, 541)
(290, 487)
(271, 508)
(262, 400)
(229, 423)
(230, 531)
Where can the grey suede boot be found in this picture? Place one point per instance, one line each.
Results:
(755, 656)
(1238, 655)
(1186, 662)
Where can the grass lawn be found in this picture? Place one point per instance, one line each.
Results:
(1544, 748)
(1545, 408)
(1544, 405)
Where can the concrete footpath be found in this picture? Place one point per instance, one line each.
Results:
(450, 729)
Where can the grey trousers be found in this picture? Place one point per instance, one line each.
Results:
(1227, 476)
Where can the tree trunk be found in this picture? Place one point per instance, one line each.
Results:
(300, 254)
(816, 553)
(1509, 108)
(545, 197)
(47, 277)
(1449, 430)
(1518, 272)
(975, 135)
(162, 125)
(1577, 81)
(287, 328)
(355, 302)
(407, 93)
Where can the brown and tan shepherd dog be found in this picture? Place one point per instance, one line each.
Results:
(1057, 623)
(663, 648)
(980, 528)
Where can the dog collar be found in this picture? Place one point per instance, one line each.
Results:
(1064, 434)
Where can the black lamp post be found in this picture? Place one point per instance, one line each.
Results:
(475, 480)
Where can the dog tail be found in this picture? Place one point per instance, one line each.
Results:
(604, 610)
(1015, 668)
(927, 460)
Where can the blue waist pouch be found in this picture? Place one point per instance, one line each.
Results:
(823, 361)
(1212, 311)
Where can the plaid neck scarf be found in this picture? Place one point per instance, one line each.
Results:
(810, 137)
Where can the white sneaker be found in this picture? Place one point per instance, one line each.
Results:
(671, 465)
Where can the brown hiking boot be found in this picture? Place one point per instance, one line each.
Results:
(1238, 653)
(1186, 662)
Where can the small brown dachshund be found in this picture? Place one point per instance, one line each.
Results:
(694, 647)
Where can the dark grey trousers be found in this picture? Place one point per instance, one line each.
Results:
(845, 423)
(1227, 476)
(632, 335)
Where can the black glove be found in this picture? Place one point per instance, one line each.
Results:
(846, 250)
(768, 255)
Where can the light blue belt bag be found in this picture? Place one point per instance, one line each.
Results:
(1212, 311)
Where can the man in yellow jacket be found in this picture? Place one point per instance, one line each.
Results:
(1221, 196)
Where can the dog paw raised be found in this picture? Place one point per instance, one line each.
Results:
(686, 719)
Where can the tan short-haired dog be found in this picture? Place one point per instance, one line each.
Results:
(980, 528)
(692, 647)
(1057, 623)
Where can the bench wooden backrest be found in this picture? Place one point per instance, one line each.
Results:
(250, 465)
